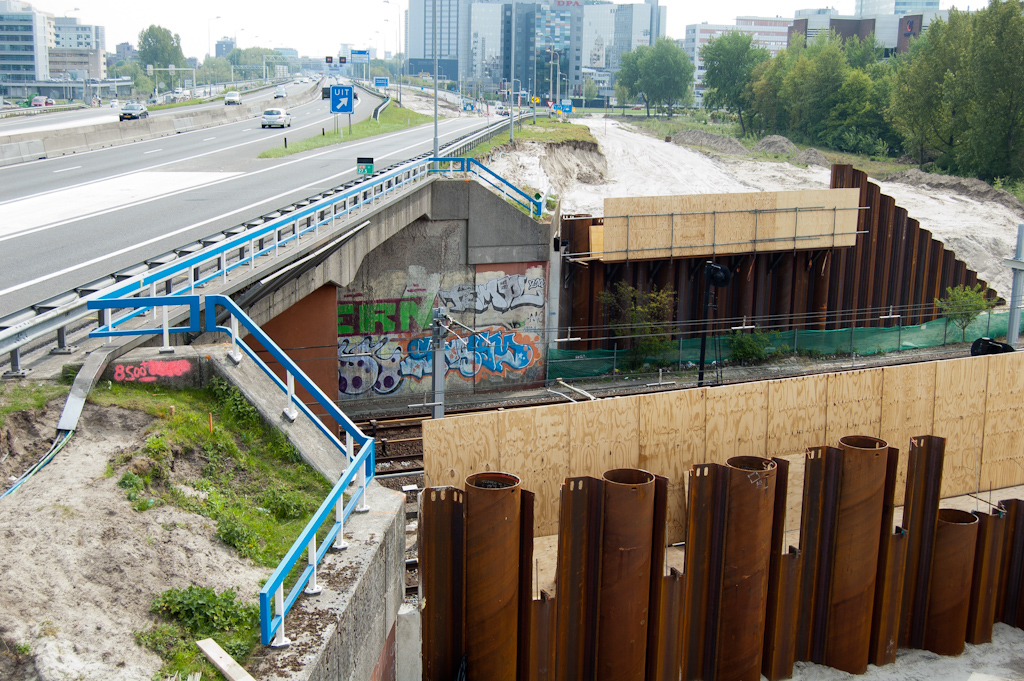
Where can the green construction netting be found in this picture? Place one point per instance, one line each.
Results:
(862, 341)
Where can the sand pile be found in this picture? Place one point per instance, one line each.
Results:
(709, 141)
(811, 157)
(776, 144)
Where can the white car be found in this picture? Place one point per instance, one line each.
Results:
(276, 117)
(115, 104)
(232, 97)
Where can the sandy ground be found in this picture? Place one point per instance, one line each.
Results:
(79, 567)
(981, 233)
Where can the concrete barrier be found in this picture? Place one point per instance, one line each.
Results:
(104, 136)
(19, 152)
(184, 124)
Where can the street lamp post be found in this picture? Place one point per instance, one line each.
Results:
(398, 35)
(434, 50)
(512, 74)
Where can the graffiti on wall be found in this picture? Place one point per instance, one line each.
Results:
(501, 294)
(151, 370)
(384, 342)
(367, 365)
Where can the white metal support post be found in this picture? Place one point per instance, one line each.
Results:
(166, 347)
(312, 588)
(289, 411)
(1017, 290)
(280, 640)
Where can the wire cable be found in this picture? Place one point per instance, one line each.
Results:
(58, 444)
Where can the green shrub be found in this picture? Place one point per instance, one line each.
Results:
(754, 346)
(287, 505)
(132, 484)
(203, 611)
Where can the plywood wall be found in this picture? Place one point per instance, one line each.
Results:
(973, 402)
(706, 224)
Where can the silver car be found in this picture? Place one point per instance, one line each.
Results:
(278, 117)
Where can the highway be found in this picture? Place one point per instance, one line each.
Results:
(71, 220)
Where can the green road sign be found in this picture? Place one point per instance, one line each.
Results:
(364, 165)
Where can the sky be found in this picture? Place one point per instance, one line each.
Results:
(316, 28)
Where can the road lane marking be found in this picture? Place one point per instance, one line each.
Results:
(249, 207)
(151, 151)
(62, 170)
(328, 118)
(209, 138)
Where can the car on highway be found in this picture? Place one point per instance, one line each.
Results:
(134, 110)
(232, 97)
(280, 92)
(115, 104)
(501, 110)
(41, 101)
(275, 117)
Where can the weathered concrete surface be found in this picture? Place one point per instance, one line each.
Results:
(410, 644)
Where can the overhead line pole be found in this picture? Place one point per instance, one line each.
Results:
(435, 82)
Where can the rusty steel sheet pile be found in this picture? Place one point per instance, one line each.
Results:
(949, 593)
(892, 557)
(981, 615)
(856, 589)
(441, 584)
(920, 518)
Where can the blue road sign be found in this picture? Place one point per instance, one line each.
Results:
(360, 56)
(341, 99)
(380, 81)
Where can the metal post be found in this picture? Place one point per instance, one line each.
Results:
(339, 517)
(1016, 291)
(312, 587)
(152, 294)
(434, 17)
(279, 638)
(512, 75)
(438, 370)
(290, 412)
(106, 324)
(166, 347)
(233, 354)
(16, 371)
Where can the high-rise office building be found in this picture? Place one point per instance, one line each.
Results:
(223, 47)
(870, 8)
(78, 50)
(25, 36)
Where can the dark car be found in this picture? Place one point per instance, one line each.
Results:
(134, 110)
(325, 93)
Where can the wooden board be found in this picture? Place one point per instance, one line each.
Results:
(796, 415)
(535, 447)
(854, 404)
(649, 227)
(603, 436)
(1003, 463)
(794, 495)
(908, 406)
(458, 446)
(671, 440)
(231, 670)
(960, 387)
(737, 421)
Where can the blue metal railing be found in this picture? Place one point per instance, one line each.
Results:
(360, 463)
(475, 167)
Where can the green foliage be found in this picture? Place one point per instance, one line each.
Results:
(132, 484)
(641, 319)
(754, 346)
(659, 75)
(392, 119)
(862, 53)
(729, 63)
(203, 611)
(288, 505)
(589, 89)
(24, 396)
(157, 46)
(963, 304)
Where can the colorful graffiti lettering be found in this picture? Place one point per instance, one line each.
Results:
(365, 366)
(152, 370)
(383, 316)
(502, 293)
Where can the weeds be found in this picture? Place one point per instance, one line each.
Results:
(25, 396)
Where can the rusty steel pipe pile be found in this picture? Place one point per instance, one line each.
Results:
(855, 590)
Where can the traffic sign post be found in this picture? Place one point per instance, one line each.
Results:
(380, 82)
(364, 165)
(342, 102)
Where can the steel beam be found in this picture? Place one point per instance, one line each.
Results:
(892, 556)
(783, 589)
(441, 581)
(920, 515)
(981, 614)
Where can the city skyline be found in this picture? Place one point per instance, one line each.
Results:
(360, 23)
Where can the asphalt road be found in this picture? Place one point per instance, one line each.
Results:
(57, 120)
(71, 220)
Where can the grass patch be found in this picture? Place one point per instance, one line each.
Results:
(25, 396)
(545, 130)
(392, 119)
(242, 474)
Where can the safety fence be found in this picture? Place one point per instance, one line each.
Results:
(471, 166)
(681, 351)
(358, 448)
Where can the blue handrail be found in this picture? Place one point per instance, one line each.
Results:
(470, 165)
(361, 465)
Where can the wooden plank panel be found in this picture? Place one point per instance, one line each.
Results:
(603, 436)
(796, 415)
(672, 440)
(960, 386)
(737, 421)
(535, 447)
(458, 446)
(1003, 462)
(854, 404)
(908, 406)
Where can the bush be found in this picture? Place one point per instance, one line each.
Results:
(753, 347)
(203, 611)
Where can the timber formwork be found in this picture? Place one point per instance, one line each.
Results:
(894, 266)
(856, 589)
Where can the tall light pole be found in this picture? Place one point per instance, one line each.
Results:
(434, 10)
(398, 35)
(512, 76)
(209, 44)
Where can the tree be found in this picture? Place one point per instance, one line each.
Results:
(962, 305)
(630, 75)
(861, 53)
(768, 79)
(621, 96)
(729, 63)
(158, 47)
(667, 75)
(641, 319)
(589, 90)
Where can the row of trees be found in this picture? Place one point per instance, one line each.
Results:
(956, 98)
(658, 75)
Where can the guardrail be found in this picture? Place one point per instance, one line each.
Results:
(361, 461)
(189, 266)
(478, 169)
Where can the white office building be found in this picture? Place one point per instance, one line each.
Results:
(78, 50)
(26, 35)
